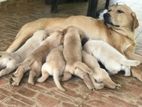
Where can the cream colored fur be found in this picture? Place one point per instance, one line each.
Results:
(73, 56)
(112, 59)
(100, 76)
(54, 65)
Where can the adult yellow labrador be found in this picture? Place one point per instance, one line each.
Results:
(117, 29)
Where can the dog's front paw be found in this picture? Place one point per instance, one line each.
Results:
(118, 86)
(40, 80)
(13, 81)
(31, 82)
(99, 86)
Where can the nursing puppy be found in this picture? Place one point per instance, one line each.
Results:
(112, 59)
(10, 61)
(34, 61)
(73, 56)
(99, 77)
(54, 65)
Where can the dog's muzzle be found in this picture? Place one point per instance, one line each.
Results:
(107, 20)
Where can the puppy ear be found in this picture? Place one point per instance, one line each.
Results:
(135, 22)
(63, 32)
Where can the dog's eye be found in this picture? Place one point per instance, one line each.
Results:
(120, 11)
(109, 10)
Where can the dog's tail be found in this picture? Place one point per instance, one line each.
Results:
(56, 80)
(128, 62)
(83, 67)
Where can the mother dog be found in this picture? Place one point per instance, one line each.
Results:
(117, 29)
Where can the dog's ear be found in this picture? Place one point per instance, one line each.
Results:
(63, 32)
(135, 22)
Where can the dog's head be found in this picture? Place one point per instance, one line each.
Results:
(121, 16)
(6, 60)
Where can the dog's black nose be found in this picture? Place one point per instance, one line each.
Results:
(107, 18)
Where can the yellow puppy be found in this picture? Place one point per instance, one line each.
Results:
(100, 76)
(54, 66)
(73, 56)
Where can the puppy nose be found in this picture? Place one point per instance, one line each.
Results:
(106, 15)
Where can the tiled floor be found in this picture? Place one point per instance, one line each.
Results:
(46, 94)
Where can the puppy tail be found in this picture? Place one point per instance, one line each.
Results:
(130, 62)
(56, 80)
(83, 67)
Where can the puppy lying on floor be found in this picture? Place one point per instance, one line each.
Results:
(10, 61)
(112, 59)
(100, 76)
(54, 65)
(34, 61)
(73, 56)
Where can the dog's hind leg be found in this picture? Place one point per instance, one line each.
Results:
(128, 62)
(85, 77)
(35, 72)
(66, 76)
(17, 76)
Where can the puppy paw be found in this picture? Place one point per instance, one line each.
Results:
(99, 86)
(118, 86)
(66, 76)
(40, 80)
(31, 82)
(13, 81)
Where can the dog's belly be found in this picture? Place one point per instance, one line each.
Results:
(112, 66)
(94, 29)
